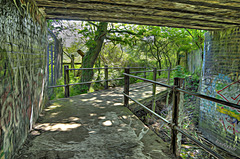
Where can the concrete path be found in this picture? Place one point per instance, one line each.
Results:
(93, 126)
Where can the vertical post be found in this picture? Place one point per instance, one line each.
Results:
(176, 138)
(126, 87)
(72, 61)
(169, 71)
(72, 64)
(48, 64)
(106, 76)
(154, 89)
(51, 65)
(66, 80)
(145, 68)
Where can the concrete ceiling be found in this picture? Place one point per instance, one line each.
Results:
(196, 14)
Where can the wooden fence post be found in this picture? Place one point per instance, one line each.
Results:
(145, 75)
(154, 89)
(66, 80)
(106, 76)
(176, 138)
(72, 61)
(126, 87)
(72, 64)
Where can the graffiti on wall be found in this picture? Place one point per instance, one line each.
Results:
(211, 85)
(222, 87)
(221, 76)
(231, 92)
(22, 91)
(22, 77)
(229, 117)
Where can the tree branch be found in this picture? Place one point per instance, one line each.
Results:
(93, 24)
(194, 39)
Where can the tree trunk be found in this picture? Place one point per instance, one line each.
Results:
(186, 61)
(92, 54)
(159, 66)
(178, 58)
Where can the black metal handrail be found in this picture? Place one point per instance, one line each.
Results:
(106, 80)
(188, 92)
(176, 97)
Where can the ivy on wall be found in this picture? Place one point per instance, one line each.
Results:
(218, 35)
(30, 7)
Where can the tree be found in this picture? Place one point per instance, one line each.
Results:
(95, 46)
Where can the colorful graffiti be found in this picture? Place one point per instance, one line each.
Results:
(231, 92)
(221, 79)
(22, 78)
(222, 87)
(230, 117)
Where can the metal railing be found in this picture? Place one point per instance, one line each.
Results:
(174, 125)
(67, 83)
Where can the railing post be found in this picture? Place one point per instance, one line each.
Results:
(145, 76)
(72, 61)
(176, 137)
(154, 89)
(106, 76)
(66, 80)
(72, 64)
(126, 87)
(169, 71)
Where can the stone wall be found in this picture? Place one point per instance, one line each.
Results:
(22, 72)
(221, 79)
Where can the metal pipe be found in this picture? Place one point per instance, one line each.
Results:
(206, 148)
(209, 98)
(151, 81)
(86, 68)
(188, 92)
(86, 82)
(57, 86)
(142, 71)
(163, 119)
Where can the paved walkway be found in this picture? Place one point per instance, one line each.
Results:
(93, 126)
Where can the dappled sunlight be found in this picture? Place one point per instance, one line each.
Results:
(123, 125)
(124, 117)
(74, 119)
(94, 98)
(102, 117)
(111, 95)
(57, 126)
(93, 114)
(54, 115)
(99, 106)
(107, 123)
(117, 104)
(120, 130)
(92, 132)
(54, 106)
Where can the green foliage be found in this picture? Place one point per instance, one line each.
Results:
(128, 44)
(179, 72)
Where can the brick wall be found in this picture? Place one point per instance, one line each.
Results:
(22, 72)
(221, 79)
